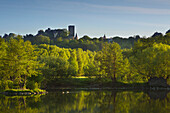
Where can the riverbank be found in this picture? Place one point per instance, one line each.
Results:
(94, 83)
(86, 84)
(23, 92)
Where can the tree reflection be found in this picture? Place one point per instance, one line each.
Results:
(87, 102)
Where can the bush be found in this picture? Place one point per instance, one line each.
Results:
(4, 84)
(10, 84)
(32, 85)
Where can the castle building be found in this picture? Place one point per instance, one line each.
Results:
(104, 37)
(71, 29)
(76, 37)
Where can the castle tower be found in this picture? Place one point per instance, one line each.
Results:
(71, 29)
(104, 37)
(76, 37)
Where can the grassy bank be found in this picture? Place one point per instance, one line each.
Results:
(89, 83)
(22, 91)
(95, 83)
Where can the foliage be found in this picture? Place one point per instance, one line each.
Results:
(153, 61)
(40, 39)
(19, 62)
(48, 58)
(111, 61)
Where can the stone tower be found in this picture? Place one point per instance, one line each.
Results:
(104, 37)
(76, 37)
(71, 29)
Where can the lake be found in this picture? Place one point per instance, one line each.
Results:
(81, 101)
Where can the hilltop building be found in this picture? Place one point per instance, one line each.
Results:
(71, 29)
(104, 37)
(76, 37)
(54, 34)
(59, 32)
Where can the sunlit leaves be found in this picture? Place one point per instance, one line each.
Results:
(112, 62)
(153, 61)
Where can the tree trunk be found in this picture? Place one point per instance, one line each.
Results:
(167, 77)
(20, 85)
(24, 86)
(114, 79)
(114, 71)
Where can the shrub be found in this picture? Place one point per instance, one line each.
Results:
(32, 85)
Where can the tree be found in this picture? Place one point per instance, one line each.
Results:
(19, 62)
(3, 53)
(41, 39)
(111, 60)
(60, 39)
(31, 65)
(73, 66)
(80, 61)
(91, 69)
(152, 61)
(85, 37)
(55, 67)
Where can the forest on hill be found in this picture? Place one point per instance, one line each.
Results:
(37, 61)
(60, 38)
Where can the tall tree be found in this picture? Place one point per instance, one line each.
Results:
(80, 61)
(153, 61)
(111, 60)
(73, 66)
(19, 62)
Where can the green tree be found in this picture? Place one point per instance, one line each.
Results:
(55, 67)
(60, 39)
(41, 39)
(19, 62)
(111, 59)
(91, 69)
(31, 65)
(80, 61)
(153, 61)
(73, 66)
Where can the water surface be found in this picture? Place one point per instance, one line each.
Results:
(88, 102)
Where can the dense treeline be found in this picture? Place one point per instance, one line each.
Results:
(24, 65)
(62, 40)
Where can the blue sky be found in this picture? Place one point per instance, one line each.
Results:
(91, 17)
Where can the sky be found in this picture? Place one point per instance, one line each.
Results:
(91, 17)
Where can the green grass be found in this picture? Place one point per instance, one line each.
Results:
(38, 90)
(71, 82)
(24, 91)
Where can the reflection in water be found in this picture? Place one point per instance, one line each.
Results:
(86, 102)
(157, 95)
